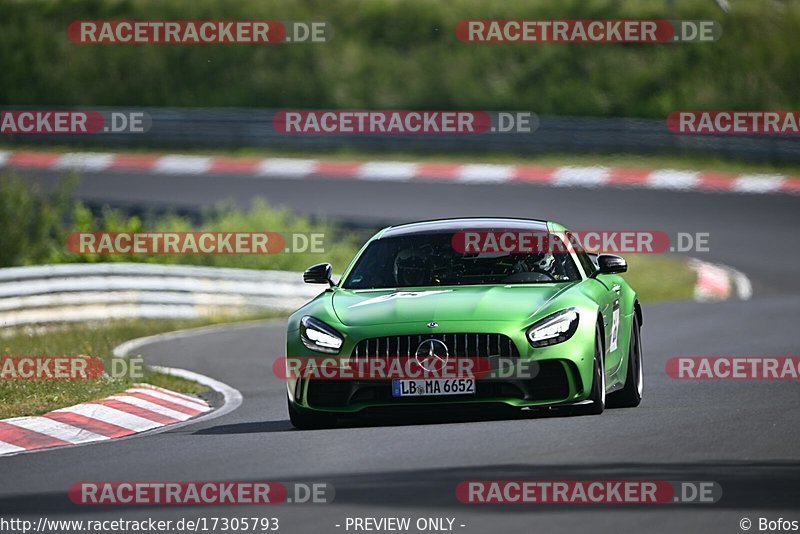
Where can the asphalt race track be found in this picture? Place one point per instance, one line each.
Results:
(750, 232)
(742, 434)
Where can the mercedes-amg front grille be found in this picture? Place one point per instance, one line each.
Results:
(458, 346)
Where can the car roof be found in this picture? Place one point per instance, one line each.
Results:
(465, 223)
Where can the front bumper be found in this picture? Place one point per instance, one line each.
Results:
(564, 370)
(554, 383)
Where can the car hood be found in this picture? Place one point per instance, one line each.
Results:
(461, 303)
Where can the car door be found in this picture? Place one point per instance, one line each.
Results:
(609, 302)
(606, 291)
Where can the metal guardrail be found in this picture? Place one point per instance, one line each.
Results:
(236, 127)
(92, 292)
(46, 294)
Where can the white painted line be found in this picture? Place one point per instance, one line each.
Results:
(744, 289)
(7, 448)
(113, 416)
(4, 155)
(581, 176)
(171, 398)
(672, 179)
(232, 396)
(85, 161)
(295, 168)
(758, 183)
(485, 173)
(387, 170)
(182, 164)
(170, 393)
(151, 406)
(55, 429)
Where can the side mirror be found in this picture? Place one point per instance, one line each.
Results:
(320, 273)
(611, 264)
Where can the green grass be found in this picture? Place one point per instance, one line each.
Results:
(34, 397)
(660, 278)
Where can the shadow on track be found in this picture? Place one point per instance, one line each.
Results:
(395, 418)
(772, 485)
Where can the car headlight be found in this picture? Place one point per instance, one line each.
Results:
(320, 337)
(554, 328)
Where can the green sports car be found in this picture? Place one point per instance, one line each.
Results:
(485, 291)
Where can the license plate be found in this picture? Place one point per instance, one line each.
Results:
(433, 387)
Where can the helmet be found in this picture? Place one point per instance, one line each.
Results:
(546, 263)
(411, 268)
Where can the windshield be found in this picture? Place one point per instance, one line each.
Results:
(430, 260)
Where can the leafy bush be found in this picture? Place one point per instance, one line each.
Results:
(36, 227)
(31, 221)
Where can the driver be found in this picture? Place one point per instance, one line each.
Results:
(546, 263)
(412, 268)
(542, 263)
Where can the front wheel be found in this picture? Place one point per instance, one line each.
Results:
(630, 396)
(598, 394)
(303, 420)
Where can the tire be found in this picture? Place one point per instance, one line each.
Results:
(598, 393)
(631, 395)
(303, 420)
